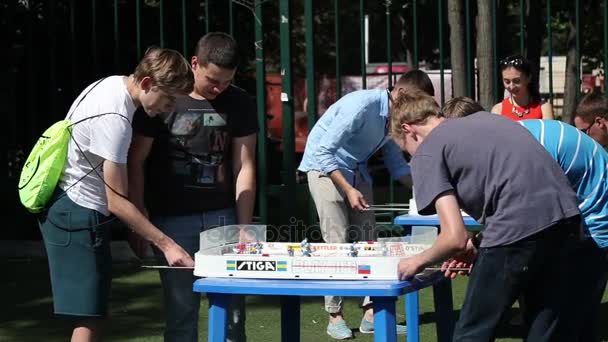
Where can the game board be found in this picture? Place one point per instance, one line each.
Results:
(290, 260)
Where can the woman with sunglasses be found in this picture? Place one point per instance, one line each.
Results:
(524, 101)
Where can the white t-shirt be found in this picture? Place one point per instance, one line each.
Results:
(106, 137)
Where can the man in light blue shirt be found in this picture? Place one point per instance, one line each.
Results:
(335, 161)
(585, 164)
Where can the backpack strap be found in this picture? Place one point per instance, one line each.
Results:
(83, 96)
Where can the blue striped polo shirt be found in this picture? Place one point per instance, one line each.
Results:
(586, 165)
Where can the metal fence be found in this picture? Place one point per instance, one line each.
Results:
(57, 47)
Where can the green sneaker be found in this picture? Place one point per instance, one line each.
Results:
(367, 327)
(339, 330)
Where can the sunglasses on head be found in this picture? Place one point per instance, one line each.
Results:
(512, 61)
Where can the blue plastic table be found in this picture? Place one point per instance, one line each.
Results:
(411, 310)
(383, 294)
(429, 220)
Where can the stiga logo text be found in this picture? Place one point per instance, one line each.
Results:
(250, 265)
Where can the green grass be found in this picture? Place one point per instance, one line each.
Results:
(26, 313)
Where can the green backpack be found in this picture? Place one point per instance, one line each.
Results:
(45, 163)
(44, 166)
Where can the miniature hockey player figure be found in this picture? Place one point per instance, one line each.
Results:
(384, 250)
(305, 247)
(258, 247)
(354, 251)
(290, 251)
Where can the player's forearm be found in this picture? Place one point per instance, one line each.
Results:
(136, 185)
(445, 247)
(245, 194)
(453, 237)
(338, 178)
(127, 212)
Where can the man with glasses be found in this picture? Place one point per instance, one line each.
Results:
(198, 164)
(591, 117)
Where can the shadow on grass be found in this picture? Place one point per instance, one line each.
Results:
(27, 292)
(136, 313)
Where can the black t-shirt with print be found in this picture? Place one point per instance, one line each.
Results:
(189, 169)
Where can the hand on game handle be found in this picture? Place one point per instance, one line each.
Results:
(177, 256)
(409, 267)
(460, 261)
(356, 199)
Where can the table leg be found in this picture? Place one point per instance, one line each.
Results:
(290, 318)
(412, 319)
(218, 304)
(384, 319)
(444, 308)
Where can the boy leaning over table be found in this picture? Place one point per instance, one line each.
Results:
(585, 163)
(531, 218)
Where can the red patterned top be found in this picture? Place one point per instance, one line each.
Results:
(535, 111)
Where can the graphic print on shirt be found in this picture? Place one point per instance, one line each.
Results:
(198, 146)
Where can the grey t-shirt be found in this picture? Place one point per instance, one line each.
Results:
(501, 175)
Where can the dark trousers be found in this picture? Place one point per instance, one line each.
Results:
(592, 274)
(542, 268)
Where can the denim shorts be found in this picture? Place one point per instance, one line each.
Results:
(77, 242)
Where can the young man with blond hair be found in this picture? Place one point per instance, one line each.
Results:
(94, 185)
(531, 218)
(585, 163)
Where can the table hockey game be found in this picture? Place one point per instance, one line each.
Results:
(242, 252)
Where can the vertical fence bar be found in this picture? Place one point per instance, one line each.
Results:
(605, 66)
(362, 40)
(288, 114)
(94, 56)
(32, 119)
(311, 92)
(230, 18)
(52, 59)
(74, 71)
(161, 26)
(389, 60)
(577, 16)
(116, 38)
(521, 27)
(185, 29)
(441, 65)
(468, 54)
(207, 16)
(494, 54)
(338, 50)
(260, 90)
(415, 29)
(550, 50)
(138, 27)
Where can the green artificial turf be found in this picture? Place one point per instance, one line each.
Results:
(26, 313)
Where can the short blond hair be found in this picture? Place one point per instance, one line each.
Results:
(169, 70)
(412, 107)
